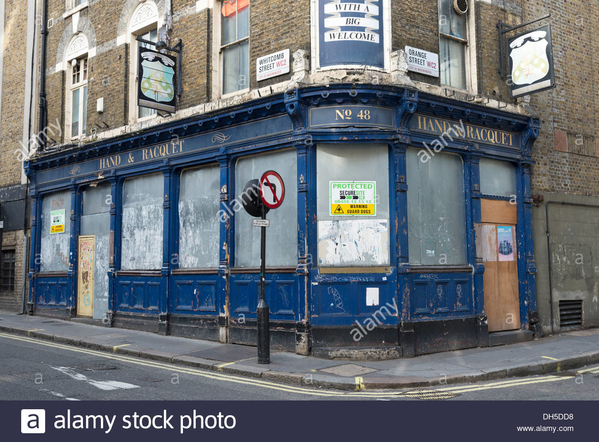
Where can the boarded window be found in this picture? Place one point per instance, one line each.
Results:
(142, 225)
(56, 232)
(436, 209)
(497, 178)
(281, 239)
(199, 204)
(357, 239)
(96, 221)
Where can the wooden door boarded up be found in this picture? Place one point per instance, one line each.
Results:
(498, 232)
(85, 280)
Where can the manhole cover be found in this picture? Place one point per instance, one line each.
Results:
(348, 370)
(48, 322)
(431, 395)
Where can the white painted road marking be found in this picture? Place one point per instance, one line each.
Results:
(102, 385)
(54, 393)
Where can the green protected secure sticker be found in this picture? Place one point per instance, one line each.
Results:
(353, 198)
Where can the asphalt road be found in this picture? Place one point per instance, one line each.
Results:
(38, 370)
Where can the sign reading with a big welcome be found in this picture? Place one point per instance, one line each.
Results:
(351, 32)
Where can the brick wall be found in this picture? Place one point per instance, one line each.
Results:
(11, 129)
(567, 152)
(12, 300)
(13, 92)
(271, 31)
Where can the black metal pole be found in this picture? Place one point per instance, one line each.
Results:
(262, 310)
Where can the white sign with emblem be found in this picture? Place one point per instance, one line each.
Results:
(272, 65)
(423, 62)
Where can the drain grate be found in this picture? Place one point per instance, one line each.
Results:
(570, 314)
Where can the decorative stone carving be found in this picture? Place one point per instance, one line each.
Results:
(77, 46)
(146, 13)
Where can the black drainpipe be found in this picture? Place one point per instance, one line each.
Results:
(563, 203)
(42, 106)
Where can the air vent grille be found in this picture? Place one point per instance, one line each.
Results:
(570, 314)
(460, 6)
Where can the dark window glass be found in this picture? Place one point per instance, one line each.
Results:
(8, 270)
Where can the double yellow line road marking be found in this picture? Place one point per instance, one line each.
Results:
(431, 393)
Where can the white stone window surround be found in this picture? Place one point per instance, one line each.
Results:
(145, 15)
(78, 48)
(217, 59)
(70, 9)
(315, 42)
(144, 18)
(471, 62)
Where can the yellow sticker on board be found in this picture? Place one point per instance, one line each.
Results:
(353, 209)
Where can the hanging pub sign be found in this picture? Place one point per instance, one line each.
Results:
(531, 62)
(351, 32)
(156, 85)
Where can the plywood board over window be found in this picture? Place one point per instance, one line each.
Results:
(500, 258)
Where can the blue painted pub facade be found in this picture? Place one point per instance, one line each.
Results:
(411, 277)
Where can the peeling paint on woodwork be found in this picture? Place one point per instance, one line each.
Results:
(142, 223)
(142, 237)
(353, 242)
(199, 226)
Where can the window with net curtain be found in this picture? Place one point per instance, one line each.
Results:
(452, 45)
(436, 209)
(235, 45)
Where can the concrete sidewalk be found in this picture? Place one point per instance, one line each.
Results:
(549, 355)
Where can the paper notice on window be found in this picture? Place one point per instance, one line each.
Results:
(57, 221)
(505, 242)
(372, 296)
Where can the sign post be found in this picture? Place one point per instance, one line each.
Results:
(272, 193)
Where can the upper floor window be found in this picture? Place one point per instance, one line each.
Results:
(144, 24)
(235, 45)
(453, 42)
(78, 93)
(72, 4)
(77, 63)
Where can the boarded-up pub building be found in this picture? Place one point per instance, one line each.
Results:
(407, 159)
